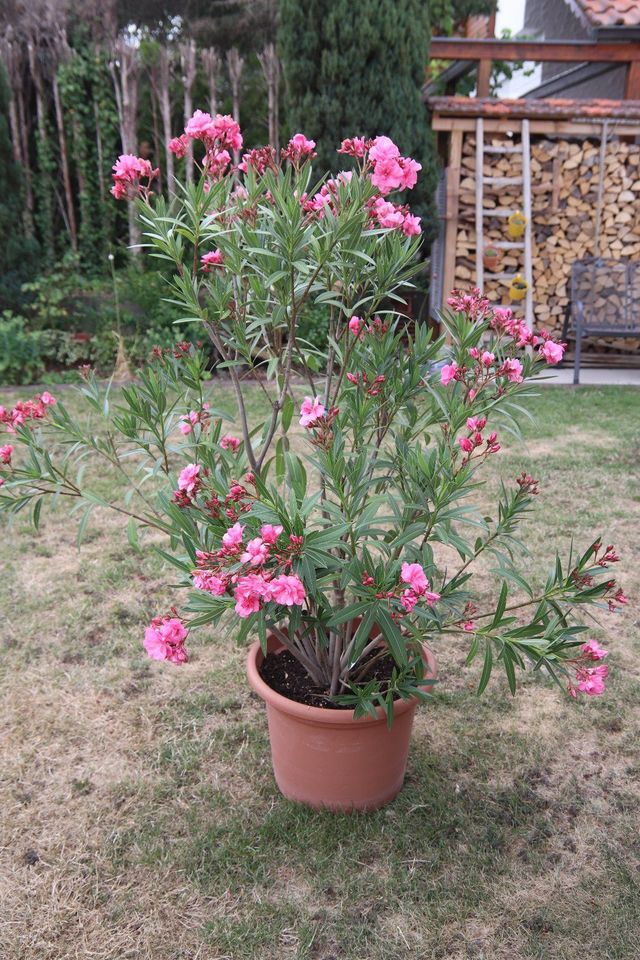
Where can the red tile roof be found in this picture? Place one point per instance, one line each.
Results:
(611, 13)
(553, 109)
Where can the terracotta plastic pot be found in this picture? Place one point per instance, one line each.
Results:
(491, 258)
(326, 758)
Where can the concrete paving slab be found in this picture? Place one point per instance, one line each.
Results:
(593, 377)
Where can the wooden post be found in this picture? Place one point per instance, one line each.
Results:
(526, 200)
(479, 204)
(451, 214)
(632, 81)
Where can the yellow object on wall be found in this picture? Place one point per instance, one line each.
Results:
(518, 287)
(516, 224)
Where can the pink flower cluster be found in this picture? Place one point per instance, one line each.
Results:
(390, 170)
(219, 134)
(299, 149)
(475, 440)
(311, 411)
(195, 418)
(390, 216)
(259, 159)
(214, 258)
(258, 585)
(128, 171)
(418, 587)
(589, 679)
(5, 458)
(26, 410)
(220, 130)
(230, 443)
(503, 321)
(357, 326)
(164, 639)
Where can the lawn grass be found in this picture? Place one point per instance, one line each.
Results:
(139, 813)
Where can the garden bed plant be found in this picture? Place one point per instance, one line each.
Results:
(341, 530)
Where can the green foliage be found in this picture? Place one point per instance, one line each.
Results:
(17, 252)
(357, 69)
(86, 91)
(21, 351)
(388, 469)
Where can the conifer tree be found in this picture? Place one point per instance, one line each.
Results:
(17, 252)
(357, 69)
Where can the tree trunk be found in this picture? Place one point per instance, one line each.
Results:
(157, 150)
(125, 68)
(271, 69)
(188, 62)
(11, 56)
(164, 98)
(46, 223)
(235, 64)
(26, 163)
(70, 217)
(211, 64)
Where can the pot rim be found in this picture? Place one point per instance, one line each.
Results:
(320, 715)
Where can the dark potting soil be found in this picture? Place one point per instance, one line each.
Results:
(286, 675)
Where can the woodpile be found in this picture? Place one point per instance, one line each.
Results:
(567, 215)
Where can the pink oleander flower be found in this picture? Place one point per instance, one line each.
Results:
(476, 423)
(216, 162)
(590, 680)
(257, 552)
(593, 651)
(408, 600)
(209, 582)
(466, 444)
(414, 575)
(199, 125)
(389, 215)
(269, 533)
(355, 325)
(354, 147)
(214, 258)
(353, 378)
(47, 399)
(387, 175)
(5, 453)
(383, 148)
(513, 371)
(164, 640)
(552, 351)
(469, 626)
(299, 148)
(189, 479)
(249, 593)
(179, 146)
(311, 411)
(230, 443)
(501, 316)
(448, 373)
(411, 226)
(227, 131)
(410, 169)
(287, 590)
(487, 358)
(232, 539)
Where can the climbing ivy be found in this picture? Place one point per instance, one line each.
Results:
(87, 97)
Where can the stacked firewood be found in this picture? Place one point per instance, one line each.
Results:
(565, 188)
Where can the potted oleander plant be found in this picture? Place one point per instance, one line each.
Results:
(317, 519)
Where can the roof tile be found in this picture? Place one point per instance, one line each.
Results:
(611, 13)
(552, 108)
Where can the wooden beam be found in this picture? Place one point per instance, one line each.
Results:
(632, 81)
(559, 128)
(545, 51)
(451, 223)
